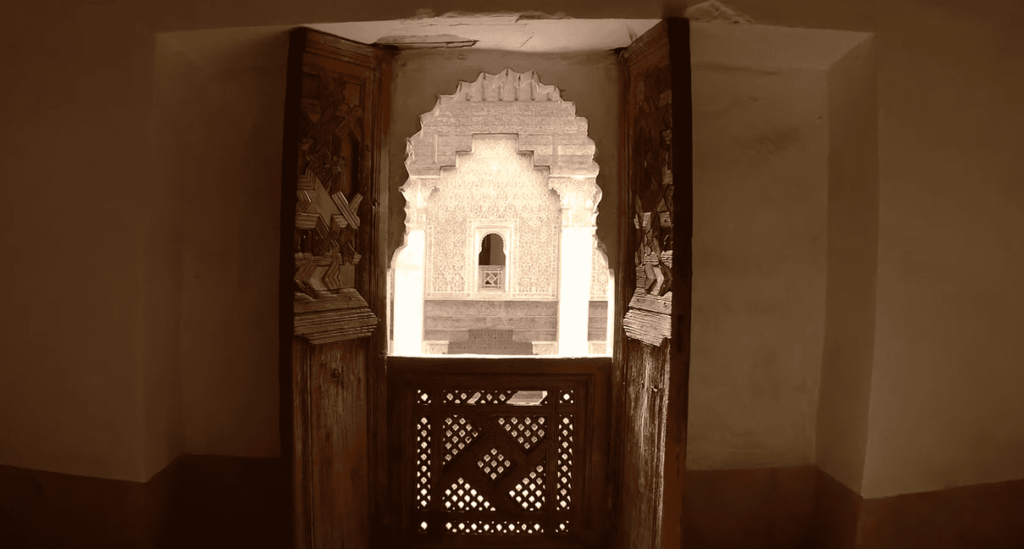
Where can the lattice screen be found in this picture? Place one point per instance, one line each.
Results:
(494, 462)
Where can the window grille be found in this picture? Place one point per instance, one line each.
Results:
(492, 277)
(492, 456)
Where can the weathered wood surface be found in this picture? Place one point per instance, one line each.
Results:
(674, 460)
(650, 398)
(333, 285)
(334, 465)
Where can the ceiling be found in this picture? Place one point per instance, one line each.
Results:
(506, 31)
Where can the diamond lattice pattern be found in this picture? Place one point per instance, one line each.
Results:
(423, 462)
(477, 397)
(563, 471)
(506, 527)
(494, 464)
(460, 496)
(527, 431)
(458, 434)
(529, 492)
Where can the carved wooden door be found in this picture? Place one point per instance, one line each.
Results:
(333, 283)
(652, 349)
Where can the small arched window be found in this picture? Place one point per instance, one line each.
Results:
(491, 263)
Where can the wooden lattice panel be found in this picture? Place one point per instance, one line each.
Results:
(492, 456)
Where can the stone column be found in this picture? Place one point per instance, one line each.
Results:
(579, 197)
(409, 265)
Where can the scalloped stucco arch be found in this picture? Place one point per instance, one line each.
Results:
(553, 144)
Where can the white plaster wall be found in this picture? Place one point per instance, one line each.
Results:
(843, 399)
(760, 188)
(945, 407)
(946, 392)
(74, 303)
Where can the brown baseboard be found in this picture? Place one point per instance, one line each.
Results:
(230, 502)
(836, 512)
(803, 508)
(39, 509)
(765, 508)
(989, 516)
(195, 502)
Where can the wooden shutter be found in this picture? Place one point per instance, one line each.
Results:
(654, 288)
(334, 218)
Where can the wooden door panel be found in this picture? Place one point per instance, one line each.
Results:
(333, 268)
(654, 287)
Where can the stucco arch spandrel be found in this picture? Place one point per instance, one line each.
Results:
(506, 103)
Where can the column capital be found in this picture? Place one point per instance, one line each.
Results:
(579, 196)
(416, 191)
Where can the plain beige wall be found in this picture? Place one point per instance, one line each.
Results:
(945, 407)
(843, 398)
(589, 80)
(231, 194)
(760, 188)
(946, 393)
(82, 350)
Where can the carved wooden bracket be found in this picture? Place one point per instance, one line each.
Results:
(342, 316)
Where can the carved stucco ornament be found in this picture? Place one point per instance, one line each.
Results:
(547, 131)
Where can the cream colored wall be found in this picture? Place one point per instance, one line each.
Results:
(231, 193)
(946, 394)
(843, 398)
(759, 240)
(590, 80)
(79, 310)
(945, 408)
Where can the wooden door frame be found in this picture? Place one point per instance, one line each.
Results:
(674, 469)
(674, 448)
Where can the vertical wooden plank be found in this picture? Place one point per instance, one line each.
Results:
(376, 292)
(338, 445)
(673, 503)
(302, 522)
(291, 350)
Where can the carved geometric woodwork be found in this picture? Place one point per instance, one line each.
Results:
(333, 281)
(492, 456)
(336, 124)
(648, 132)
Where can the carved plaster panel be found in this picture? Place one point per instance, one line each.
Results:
(486, 189)
(508, 102)
(453, 181)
